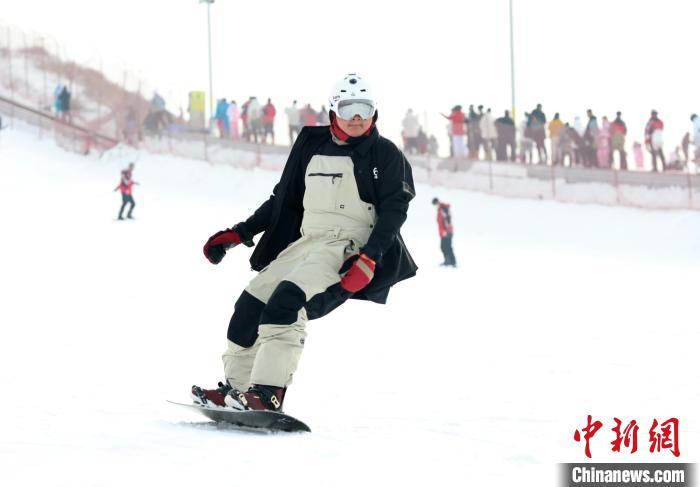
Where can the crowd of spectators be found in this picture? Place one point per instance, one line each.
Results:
(255, 123)
(477, 135)
(474, 134)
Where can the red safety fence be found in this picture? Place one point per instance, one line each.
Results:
(67, 134)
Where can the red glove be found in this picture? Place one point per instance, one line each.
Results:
(220, 242)
(360, 273)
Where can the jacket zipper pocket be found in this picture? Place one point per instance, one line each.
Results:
(328, 175)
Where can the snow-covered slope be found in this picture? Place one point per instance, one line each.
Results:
(473, 376)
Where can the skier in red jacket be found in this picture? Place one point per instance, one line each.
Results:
(125, 186)
(444, 220)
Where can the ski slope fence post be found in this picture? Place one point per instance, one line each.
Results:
(100, 100)
(616, 185)
(491, 176)
(553, 176)
(44, 101)
(205, 140)
(9, 69)
(26, 64)
(41, 127)
(690, 189)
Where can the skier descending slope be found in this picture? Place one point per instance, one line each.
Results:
(330, 233)
(126, 188)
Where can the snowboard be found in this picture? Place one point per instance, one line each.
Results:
(269, 421)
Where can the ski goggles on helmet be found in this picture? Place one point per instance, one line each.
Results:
(347, 109)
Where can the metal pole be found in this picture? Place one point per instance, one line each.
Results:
(124, 103)
(513, 115)
(211, 85)
(9, 67)
(512, 63)
(26, 64)
(427, 139)
(99, 93)
(690, 189)
(9, 63)
(46, 98)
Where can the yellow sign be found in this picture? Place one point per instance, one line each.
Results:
(197, 101)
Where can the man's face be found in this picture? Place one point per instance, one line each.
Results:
(355, 127)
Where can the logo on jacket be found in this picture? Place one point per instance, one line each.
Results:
(375, 172)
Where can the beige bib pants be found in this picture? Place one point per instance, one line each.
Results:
(336, 223)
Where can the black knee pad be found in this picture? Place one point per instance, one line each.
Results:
(243, 327)
(284, 305)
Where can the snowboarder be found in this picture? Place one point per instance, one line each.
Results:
(444, 219)
(125, 186)
(330, 233)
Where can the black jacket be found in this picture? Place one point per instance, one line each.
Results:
(384, 178)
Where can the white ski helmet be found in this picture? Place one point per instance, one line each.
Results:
(352, 96)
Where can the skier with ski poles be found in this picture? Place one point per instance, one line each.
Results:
(330, 233)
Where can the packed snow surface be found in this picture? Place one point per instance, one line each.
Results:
(471, 376)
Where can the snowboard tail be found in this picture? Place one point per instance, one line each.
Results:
(259, 420)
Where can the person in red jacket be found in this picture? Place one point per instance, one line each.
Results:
(444, 220)
(653, 139)
(125, 186)
(457, 131)
(269, 113)
(309, 116)
(619, 132)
